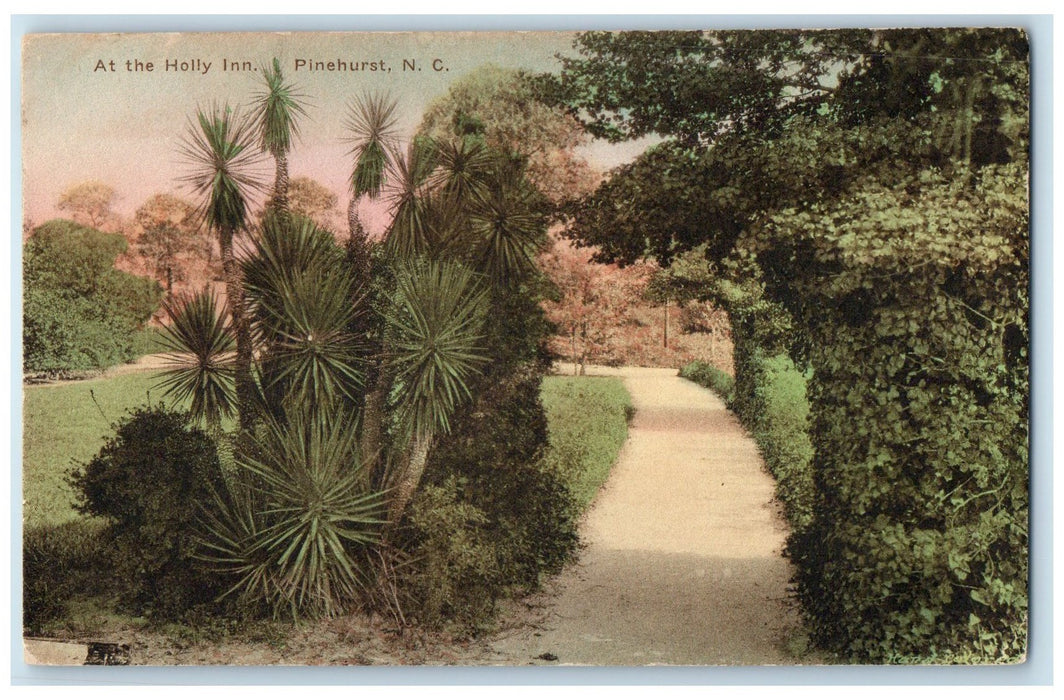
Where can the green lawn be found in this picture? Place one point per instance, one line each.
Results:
(588, 423)
(63, 425)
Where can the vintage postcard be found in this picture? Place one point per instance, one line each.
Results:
(692, 348)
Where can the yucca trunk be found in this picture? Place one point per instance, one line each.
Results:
(370, 439)
(354, 226)
(357, 242)
(279, 201)
(408, 479)
(234, 292)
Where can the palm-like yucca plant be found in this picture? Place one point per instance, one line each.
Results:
(304, 301)
(410, 172)
(292, 527)
(225, 166)
(465, 170)
(313, 355)
(219, 148)
(276, 113)
(371, 127)
(435, 327)
(200, 360)
(284, 248)
(507, 229)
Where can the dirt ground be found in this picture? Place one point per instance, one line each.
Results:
(681, 565)
(683, 560)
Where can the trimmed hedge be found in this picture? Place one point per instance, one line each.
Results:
(908, 304)
(704, 374)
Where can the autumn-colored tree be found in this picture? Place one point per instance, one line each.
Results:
(593, 303)
(315, 201)
(168, 238)
(89, 203)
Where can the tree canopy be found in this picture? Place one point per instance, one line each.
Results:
(502, 107)
(79, 311)
(89, 203)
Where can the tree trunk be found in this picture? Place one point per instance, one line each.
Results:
(357, 241)
(354, 226)
(370, 439)
(234, 292)
(409, 479)
(665, 342)
(279, 201)
(573, 355)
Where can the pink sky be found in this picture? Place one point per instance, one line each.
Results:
(83, 121)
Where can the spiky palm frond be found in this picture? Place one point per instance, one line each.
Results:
(225, 168)
(200, 362)
(276, 111)
(435, 329)
(465, 171)
(293, 526)
(305, 301)
(446, 224)
(313, 354)
(508, 231)
(409, 236)
(371, 126)
(284, 246)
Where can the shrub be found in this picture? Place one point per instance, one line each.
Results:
(914, 301)
(705, 374)
(79, 312)
(58, 562)
(291, 528)
(501, 501)
(150, 481)
(454, 577)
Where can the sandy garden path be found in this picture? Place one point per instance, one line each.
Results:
(683, 561)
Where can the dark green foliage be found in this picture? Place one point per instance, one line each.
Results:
(150, 481)
(496, 455)
(290, 527)
(502, 498)
(59, 561)
(921, 540)
(514, 515)
(79, 312)
(452, 579)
